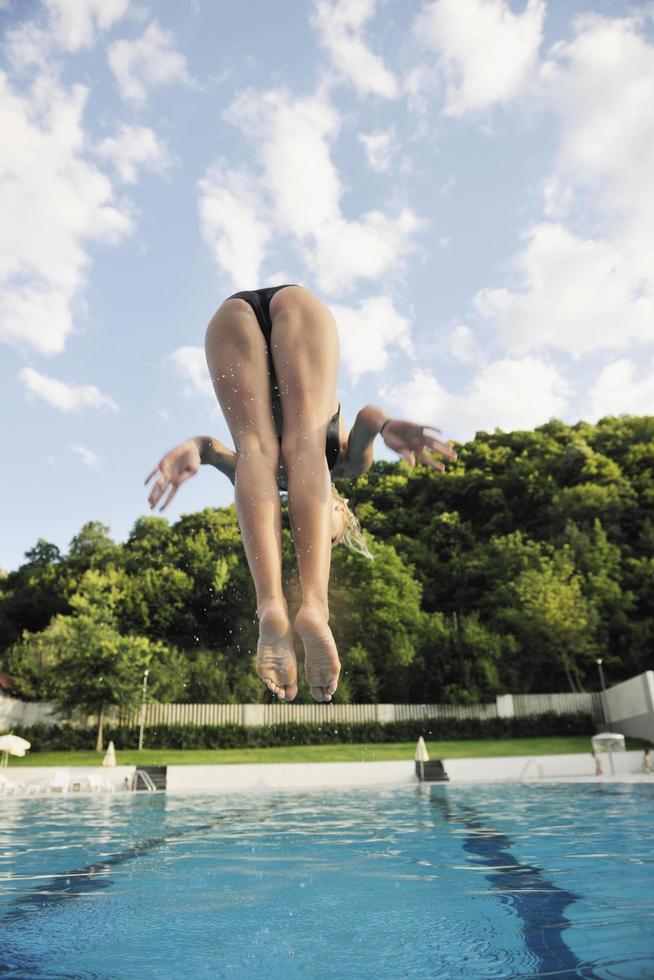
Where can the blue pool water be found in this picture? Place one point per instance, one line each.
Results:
(456, 882)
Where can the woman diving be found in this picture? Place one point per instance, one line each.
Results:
(273, 359)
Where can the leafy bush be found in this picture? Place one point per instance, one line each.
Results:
(62, 737)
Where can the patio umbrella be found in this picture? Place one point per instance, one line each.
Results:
(12, 745)
(110, 756)
(422, 756)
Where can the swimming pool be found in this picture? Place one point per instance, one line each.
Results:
(447, 881)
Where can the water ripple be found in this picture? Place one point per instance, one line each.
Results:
(458, 882)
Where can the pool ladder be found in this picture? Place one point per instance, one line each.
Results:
(146, 779)
(540, 770)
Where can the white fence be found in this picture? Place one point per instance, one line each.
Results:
(326, 714)
(15, 713)
(560, 704)
(312, 714)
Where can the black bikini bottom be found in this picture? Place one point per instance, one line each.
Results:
(259, 300)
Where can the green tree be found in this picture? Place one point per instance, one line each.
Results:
(32, 595)
(462, 604)
(554, 623)
(92, 548)
(82, 664)
(376, 607)
(461, 660)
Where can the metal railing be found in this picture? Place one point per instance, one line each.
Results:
(147, 781)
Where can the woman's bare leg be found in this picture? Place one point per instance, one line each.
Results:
(238, 364)
(305, 354)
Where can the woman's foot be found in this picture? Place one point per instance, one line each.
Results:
(321, 663)
(276, 662)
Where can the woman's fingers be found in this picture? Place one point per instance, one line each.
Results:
(156, 495)
(440, 447)
(158, 490)
(173, 491)
(410, 440)
(162, 469)
(435, 464)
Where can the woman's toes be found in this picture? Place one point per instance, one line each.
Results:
(276, 663)
(320, 694)
(321, 663)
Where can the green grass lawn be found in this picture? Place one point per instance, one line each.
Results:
(365, 752)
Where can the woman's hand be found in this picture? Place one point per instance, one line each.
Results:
(411, 440)
(175, 467)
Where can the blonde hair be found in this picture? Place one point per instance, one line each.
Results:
(351, 537)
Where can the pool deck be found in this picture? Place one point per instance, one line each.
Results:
(577, 767)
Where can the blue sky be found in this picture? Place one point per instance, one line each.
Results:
(467, 183)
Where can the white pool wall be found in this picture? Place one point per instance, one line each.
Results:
(296, 775)
(519, 767)
(320, 775)
(316, 775)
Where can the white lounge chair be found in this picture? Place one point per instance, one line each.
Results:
(59, 782)
(8, 786)
(97, 784)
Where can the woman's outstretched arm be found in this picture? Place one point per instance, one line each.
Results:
(213, 453)
(184, 461)
(408, 439)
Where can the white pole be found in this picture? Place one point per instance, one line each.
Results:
(142, 722)
(607, 715)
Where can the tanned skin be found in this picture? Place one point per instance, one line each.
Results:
(305, 354)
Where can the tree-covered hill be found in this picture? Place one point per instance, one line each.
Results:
(513, 571)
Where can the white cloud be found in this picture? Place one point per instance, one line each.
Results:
(70, 25)
(230, 219)
(380, 149)
(576, 295)
(66, 397)
(134, 148)
(301, 190)
(619, 391)
(486, 53)
(508, 394)
(339, 25)
(298, 171)
(601, 85)
(52, 202)
(87, 456)
(448, 185)
(146, 63)
(367, 333)
(346, 251)
(463, 345)
(514, 393)
(191, 365)
(586, 282)
(75, 23)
